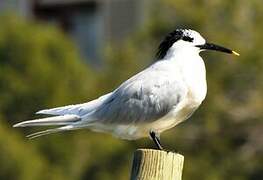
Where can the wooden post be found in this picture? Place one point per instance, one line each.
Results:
(149, 164)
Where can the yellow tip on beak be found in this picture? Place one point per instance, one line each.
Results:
(235, 53)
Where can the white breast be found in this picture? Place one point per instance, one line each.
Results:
(193, 73)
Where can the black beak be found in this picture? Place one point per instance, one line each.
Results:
(210, 46)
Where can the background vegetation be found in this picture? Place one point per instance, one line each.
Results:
(40, 68)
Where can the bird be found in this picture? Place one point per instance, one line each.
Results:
(156, 99)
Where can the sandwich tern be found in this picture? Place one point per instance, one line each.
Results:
(150, 102)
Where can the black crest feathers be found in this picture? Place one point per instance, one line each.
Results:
(170, 39)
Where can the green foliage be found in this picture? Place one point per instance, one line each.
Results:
(40, 67)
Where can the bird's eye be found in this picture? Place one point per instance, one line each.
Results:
(187, 38)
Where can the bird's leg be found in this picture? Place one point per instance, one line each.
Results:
(156, 139)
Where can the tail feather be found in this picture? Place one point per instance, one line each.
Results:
(73, 126)
(50, 121)
(48, 131)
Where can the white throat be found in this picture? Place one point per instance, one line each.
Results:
(192, 69)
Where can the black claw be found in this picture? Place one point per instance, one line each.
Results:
(156, 140)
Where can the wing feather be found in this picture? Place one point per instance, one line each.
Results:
(78, 109)
(144, 98)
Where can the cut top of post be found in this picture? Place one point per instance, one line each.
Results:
(149, 164)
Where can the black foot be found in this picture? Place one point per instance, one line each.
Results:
(156, 140)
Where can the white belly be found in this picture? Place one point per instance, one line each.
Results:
(182, 112)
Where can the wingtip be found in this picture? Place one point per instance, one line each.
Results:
(18, 125)
(39, 112)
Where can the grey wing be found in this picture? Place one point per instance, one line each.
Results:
(141, 99)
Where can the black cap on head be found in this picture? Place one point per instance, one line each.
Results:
(171, 38)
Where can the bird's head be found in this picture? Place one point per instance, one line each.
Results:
(186, 39)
